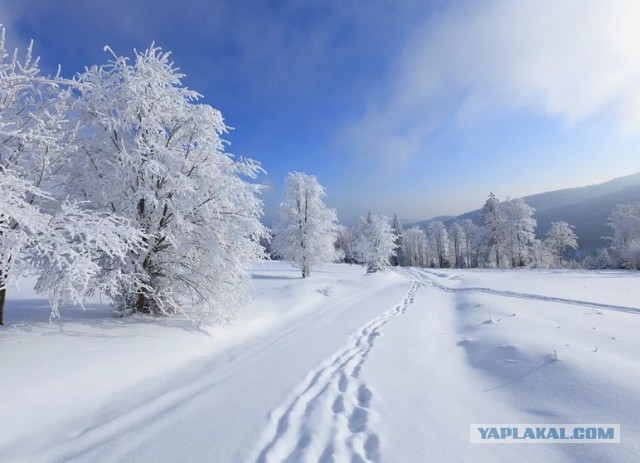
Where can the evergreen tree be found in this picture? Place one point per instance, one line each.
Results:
(398, 259)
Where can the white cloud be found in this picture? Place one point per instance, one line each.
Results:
(568, 60)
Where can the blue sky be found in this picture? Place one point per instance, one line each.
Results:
(416, 106)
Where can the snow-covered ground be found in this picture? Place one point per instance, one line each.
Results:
(341, 367)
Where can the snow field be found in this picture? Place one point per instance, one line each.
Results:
(341, 367)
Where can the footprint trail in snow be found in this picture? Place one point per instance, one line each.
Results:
(327, 419)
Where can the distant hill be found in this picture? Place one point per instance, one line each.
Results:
(425, 223)
(586, 208)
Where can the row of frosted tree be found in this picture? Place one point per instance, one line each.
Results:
(307, 231)
(307, 234)
(505, 239)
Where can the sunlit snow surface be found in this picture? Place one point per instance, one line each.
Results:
(340, 367)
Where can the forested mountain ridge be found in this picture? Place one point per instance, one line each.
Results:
(587, 208)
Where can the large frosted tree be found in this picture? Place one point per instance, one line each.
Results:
(41, 232)
(307, 229)
(375, 242)
(149, 152)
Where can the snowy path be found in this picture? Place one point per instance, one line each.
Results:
(215, 408)
(327, 418)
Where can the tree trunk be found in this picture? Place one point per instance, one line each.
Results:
(3, 295)
(305, 271)
(140, 304)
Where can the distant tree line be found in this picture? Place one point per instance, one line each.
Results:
(504, 239)
(308, 234)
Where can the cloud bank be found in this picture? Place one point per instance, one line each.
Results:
(568, 60)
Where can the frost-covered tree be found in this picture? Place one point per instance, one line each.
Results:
(41, 233)
(559, 238)
(457, 240)
(519, 231)
(540, 255)
(28, 104)
(149, 152)
(398, 259)
(375, 242)
(494, 229)
(601, 260)
(624, 223)
(345, 243)
(416, 247)
(473, 242)
(307, 231)
(439, 240)
(70, 249)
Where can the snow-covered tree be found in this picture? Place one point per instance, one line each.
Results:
(148, 152)
(439, 240)
(560, 237)
(473, 242)
(540, 255)
(345, 243)
(494, 229)
(601, 260)
(519, 231)
(415, 247)
(624, 223)
(457, 240)
(375, 242)
(398, 259)
(26, 98)
(40, 232)
(307, 231)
